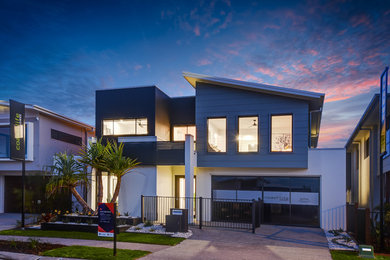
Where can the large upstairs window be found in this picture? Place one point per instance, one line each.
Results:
(248, 132)
(180, 132)
(138, 126)
(281, 133)
(216, 135)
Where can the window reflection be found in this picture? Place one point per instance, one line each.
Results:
(137, 126)
(248, 134)
(216, 128)
(179, 132)
(281, 133)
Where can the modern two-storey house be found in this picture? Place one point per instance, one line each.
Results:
(232, 140)
(47, 133)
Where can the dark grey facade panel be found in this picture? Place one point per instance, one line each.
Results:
(162, 113)
(126, 103)
(183, 111)
(217, 101)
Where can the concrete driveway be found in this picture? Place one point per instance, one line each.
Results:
(8, 220)
(269, 242)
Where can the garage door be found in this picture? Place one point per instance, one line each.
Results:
(287, 200)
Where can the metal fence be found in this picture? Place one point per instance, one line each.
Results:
(205, 212)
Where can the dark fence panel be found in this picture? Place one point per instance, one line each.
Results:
(359, 223)
(206, 212)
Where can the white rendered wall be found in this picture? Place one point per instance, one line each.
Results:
(165, 182)
(140, 181)
(328, 164)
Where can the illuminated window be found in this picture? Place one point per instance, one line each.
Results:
(125, 127)
(248, 134)
(180, 132)
(216, 132)
(281, 133)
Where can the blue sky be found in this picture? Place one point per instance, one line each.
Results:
(55, 54)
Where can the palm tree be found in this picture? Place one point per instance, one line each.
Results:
(67, 173)
(118, 165)
(93, 156)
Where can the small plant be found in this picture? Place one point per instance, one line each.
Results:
(18, 223)
(137, 228)
(148, 223)
(13, 243)
(152, 229)
(126, 214)
(34, 243)
(90, 221)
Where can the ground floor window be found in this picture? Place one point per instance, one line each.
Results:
(287, 200)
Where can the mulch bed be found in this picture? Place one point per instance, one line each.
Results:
(32, 247)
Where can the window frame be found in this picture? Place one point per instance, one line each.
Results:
(207, 134)
(173, 132)
(292, 133)
(130, 118)
(366, 147)
(238, 134)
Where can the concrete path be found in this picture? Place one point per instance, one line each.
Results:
(269, 242)
(17, 256)
(94, 243)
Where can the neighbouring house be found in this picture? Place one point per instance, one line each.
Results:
(363, 160)
(47, 133)
(232, 140)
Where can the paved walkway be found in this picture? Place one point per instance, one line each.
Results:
(269, 242)
(17, 256)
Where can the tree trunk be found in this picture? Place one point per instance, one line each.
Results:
(80, 199)
(117, 188)
(100, 187)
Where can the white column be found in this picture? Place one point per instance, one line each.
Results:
(189, 164)
(2, 187)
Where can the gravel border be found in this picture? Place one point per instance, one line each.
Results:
(157, 229)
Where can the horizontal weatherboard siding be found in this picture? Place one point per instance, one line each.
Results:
(218, 101)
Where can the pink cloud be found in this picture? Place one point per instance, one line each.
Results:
(313, 52)
(137, 67)
(197, 30)
(343, 91)
(265, 71)
(271, 26)
(204, 62)
(360, 19)
(353, 63)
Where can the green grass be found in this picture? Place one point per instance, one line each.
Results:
(122, 237)
(98, 253)
(348, 255)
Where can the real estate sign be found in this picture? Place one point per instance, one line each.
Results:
(106, 219)
(16, 117)
(383, 109)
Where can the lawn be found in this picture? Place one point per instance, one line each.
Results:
(98, 253)
(348, 255)
(122, 237)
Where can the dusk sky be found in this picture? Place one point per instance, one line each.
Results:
(55, 54)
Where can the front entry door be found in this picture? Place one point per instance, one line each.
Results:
(180, 191)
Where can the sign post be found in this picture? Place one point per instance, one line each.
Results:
(107, 221)
(383, 152)
(17, 141)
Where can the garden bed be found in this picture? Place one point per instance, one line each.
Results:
(83, 227)
(32, 247)
(340, 240)
(120, 220)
